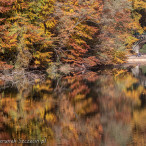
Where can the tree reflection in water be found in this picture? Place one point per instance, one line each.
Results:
(82, 109)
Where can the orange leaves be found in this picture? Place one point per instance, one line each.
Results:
(75, 32)
(5, 5)
(69, 31)
(116, 31)
(78, 48)
(91, 61)
(78, 90)
(42, 59)
(4, 9)
(6, 2)
(5, 66)
(55, 29)
(77, 45)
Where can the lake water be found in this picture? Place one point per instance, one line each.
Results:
(105, 108)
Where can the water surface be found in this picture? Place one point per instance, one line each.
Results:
(106, 108)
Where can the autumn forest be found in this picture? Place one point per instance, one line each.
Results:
(64, 73)
(42, 33)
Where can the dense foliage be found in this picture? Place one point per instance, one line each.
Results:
(37, 33)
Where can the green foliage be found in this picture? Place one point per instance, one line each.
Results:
(143, 50)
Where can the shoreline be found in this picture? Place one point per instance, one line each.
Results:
(134, 60)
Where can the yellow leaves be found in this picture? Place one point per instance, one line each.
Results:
(119, 57)
(138, 125)
(37, 62)
(76, 3)
(28, 42)
(118, 72)
(71, 10)
(47, 7)
(42, 26)
(135, 94)
(46, 86)
(69, 131)
(126, 81)
(118, 61)
(139, 4)
(45, 55)
(39, 54)
(37, 80)
(51, 23)
(130, 40)
(72, 129)
(139, 118)
(135, 25)
(84, 107)
(42, 112)
(79, 97)
(83, 34)
(83, 30)
(42, 57)
(44, 7)
(80, 41)
(12, 40)
(137, 16)
(50, 117)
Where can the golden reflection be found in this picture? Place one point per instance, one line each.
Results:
(82, 109)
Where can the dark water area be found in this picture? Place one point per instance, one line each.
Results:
(100, 108)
